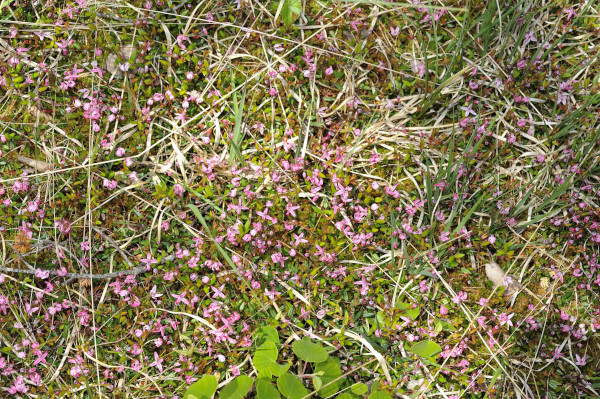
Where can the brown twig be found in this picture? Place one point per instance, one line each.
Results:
(71, 276)
(135, 271)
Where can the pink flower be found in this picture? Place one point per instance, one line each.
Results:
(272, 294)
(43, 274)
(581, 361)
(483, 301)
(63, 226)
(178, 190)
(18, 386)
(492, 239)
(110, 184)
(461, 296)
(157, 362)
(504, 318)
(189, 75)
(443, 310)
(329, 71)
(364, 284)
(557, 353)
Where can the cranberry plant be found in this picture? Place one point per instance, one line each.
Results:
(298, 199)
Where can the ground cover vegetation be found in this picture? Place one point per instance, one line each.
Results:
(299, 198)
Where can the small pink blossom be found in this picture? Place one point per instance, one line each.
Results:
(460, 297)
(178, 190)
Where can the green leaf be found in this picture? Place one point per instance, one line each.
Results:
(443, 325)
(291, 387)
(327, 372)
(317, 383)
(379, 395)
(309, 352)
(290, 11)
(345, 395)
(204, 388)
(266, 390)
(493, 381)
(278, 369)
(425, 348)
(413, 313)
(238, 388)
(359, 389)
(264, 356)
(267, 333)
(265, 374)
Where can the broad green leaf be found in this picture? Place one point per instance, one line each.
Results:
(238, 388)
(309, 351)
(265, 373)
(425, 348)
(413, 313)
(443, 325)
(267, 333)
(204, 388)
(379, 395)
(345, 395)
(290, 386)
(265, 355)
(359, 388)
(290, 11)
(317, 383)
(278, 369)
(266, 390)
(327, 372)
